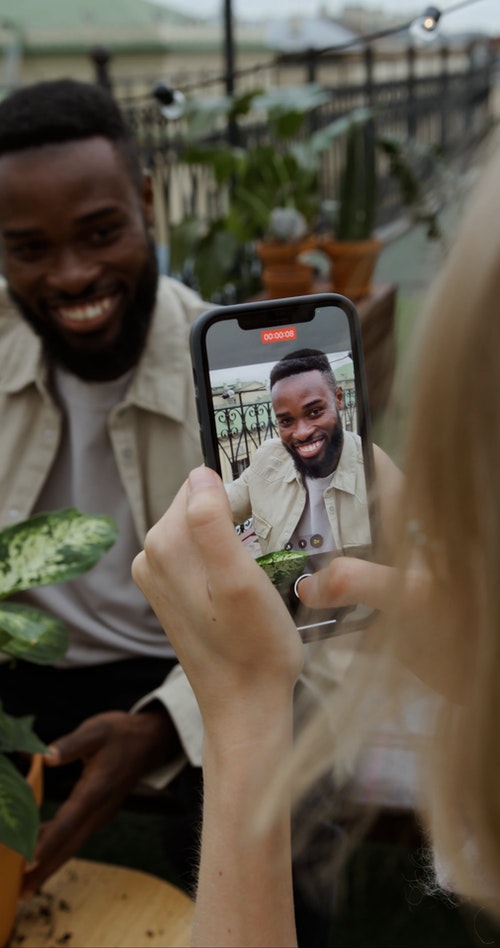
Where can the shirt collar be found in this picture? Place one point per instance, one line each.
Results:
(159, 383)
(22, 361)
(159, 380)
(344, 476)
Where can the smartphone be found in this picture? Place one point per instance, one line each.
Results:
(283, 412)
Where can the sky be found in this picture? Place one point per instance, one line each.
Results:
(482, 13)
(261, 371)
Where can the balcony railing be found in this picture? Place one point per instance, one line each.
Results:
(243, 425)
(442, 101)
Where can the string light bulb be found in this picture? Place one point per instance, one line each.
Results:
(424, 28)
(430, 18)
(171, 101)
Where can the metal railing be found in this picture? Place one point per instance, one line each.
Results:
(242, 426)
(443, 102)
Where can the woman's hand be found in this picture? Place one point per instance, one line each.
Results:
(228, 625)
(347, 581)
(242, 654)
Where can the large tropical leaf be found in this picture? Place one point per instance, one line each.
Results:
(216, 256)
(31, 634)
(16, 734)
(286, 107)
(184, 238)
(225, 161)
(204, 114)
(51, 548)
(18, 811)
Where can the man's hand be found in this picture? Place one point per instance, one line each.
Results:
(116, 749)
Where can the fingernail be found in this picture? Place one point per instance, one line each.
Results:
(52, 755)
(202, 477)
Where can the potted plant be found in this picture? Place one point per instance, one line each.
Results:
(47, 548)
(271, 192)
(283, 253)
(354, 248)
(270, 195)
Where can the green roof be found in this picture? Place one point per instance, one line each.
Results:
(44, 16)
(66, 27)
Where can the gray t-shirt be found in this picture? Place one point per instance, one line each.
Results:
(108, 617)
(313, 533)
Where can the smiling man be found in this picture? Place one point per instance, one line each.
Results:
(96, 412)
(307, 490)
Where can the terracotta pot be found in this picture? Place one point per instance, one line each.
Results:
(294, 279)
(12, 863)
(353, 264)
(272, 252)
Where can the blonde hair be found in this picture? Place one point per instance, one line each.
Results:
(449, 518)
(452, 461)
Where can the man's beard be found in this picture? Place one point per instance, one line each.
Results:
(125, 352)
(328, 463)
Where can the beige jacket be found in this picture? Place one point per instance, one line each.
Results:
(154, 433)
(271, 491)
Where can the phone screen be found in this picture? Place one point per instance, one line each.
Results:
(282, 405)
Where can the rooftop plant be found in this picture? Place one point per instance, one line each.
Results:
(270, 189)
(263, 183)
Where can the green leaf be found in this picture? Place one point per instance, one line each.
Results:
(291, 99)
(51, 548)
(283, 566)
(19, 818)
(16, 734)
(203, 115)
(216, 256)
(184, 239)
(31, 634)
(243, 102)
(206, 114)
(225, 161)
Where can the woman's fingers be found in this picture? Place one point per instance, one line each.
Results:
(347, 581)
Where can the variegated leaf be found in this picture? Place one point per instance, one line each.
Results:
(18, 811)
(31, 634)
(51, 548)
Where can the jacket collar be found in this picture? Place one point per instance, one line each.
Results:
(344, 477)
(158, 383)
(22, 361)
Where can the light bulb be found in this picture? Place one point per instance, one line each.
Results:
(171, 101)
(424, 28)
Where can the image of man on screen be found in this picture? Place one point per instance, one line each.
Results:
(306, 490)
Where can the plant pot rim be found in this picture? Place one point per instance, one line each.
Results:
(275, 242)
(366, 243)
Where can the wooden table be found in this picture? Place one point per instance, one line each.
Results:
(92, 905)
